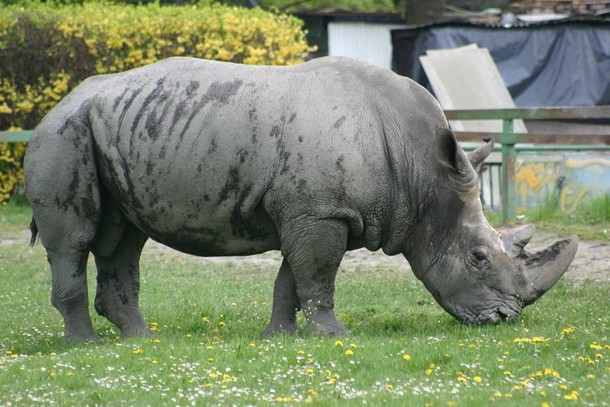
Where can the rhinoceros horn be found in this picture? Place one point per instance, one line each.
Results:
(479, 155)
(541, 270)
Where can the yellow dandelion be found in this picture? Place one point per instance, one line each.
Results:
(595, 346)
(406, 356)
(572, 396)
(70, 373)
(477, 379)
(221, 323)
(563, 387)
(590, 376)
(309, 370)
(339, 344)
(349, 352)
(462, 379)
(137, 351)
(497, 394)
(210, 360)
(507, 373)
(300, 352)
(353, 345)
(206, 320)
(389, 386)
(428, 372)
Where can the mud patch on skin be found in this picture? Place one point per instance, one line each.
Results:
(231, 185)
(339, 122)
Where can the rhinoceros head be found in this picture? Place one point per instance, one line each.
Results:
(478, 274)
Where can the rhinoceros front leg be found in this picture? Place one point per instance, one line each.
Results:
(285, 303)
(118, 284)
(313, 248)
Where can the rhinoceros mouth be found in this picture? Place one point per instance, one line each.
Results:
(495, 315)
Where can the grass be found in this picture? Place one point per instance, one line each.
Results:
(207, 349)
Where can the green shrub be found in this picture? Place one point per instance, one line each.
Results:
(47, 49)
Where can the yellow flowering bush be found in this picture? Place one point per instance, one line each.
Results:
(47, 49)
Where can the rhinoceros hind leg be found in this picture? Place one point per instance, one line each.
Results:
(118, 284)
(69, 293)
(314, 249)
(285, 303)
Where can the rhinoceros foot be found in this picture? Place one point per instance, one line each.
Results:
(277, 328)
(324, 322)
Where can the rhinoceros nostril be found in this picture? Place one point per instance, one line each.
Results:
(502, 314)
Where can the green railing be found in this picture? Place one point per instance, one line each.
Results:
(15, 136)
(509, 139)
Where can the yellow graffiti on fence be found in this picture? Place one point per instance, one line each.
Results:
(532, 177)
(571, 163)
(565, 199)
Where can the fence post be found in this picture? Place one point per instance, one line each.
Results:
(509, 156)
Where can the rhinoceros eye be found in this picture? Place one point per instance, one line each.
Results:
(479, 257)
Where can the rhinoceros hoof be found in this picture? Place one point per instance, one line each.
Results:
(337, 329)
(135, 332)
(80, 338)
(280, 329)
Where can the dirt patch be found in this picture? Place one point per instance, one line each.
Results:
(592, 261)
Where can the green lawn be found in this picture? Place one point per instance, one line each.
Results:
(208, 349)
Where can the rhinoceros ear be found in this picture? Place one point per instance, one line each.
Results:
(479, 155)
(449, 153)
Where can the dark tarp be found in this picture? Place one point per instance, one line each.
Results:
(563, 63)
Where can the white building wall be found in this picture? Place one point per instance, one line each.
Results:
(367, 42)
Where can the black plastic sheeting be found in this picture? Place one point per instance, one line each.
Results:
(554, 64)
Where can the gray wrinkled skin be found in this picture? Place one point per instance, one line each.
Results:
(220, 159)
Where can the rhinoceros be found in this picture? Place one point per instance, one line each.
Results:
(217, 159)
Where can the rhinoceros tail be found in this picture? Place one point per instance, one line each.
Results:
(34, 230)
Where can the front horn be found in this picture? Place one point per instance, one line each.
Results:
(542, 270)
